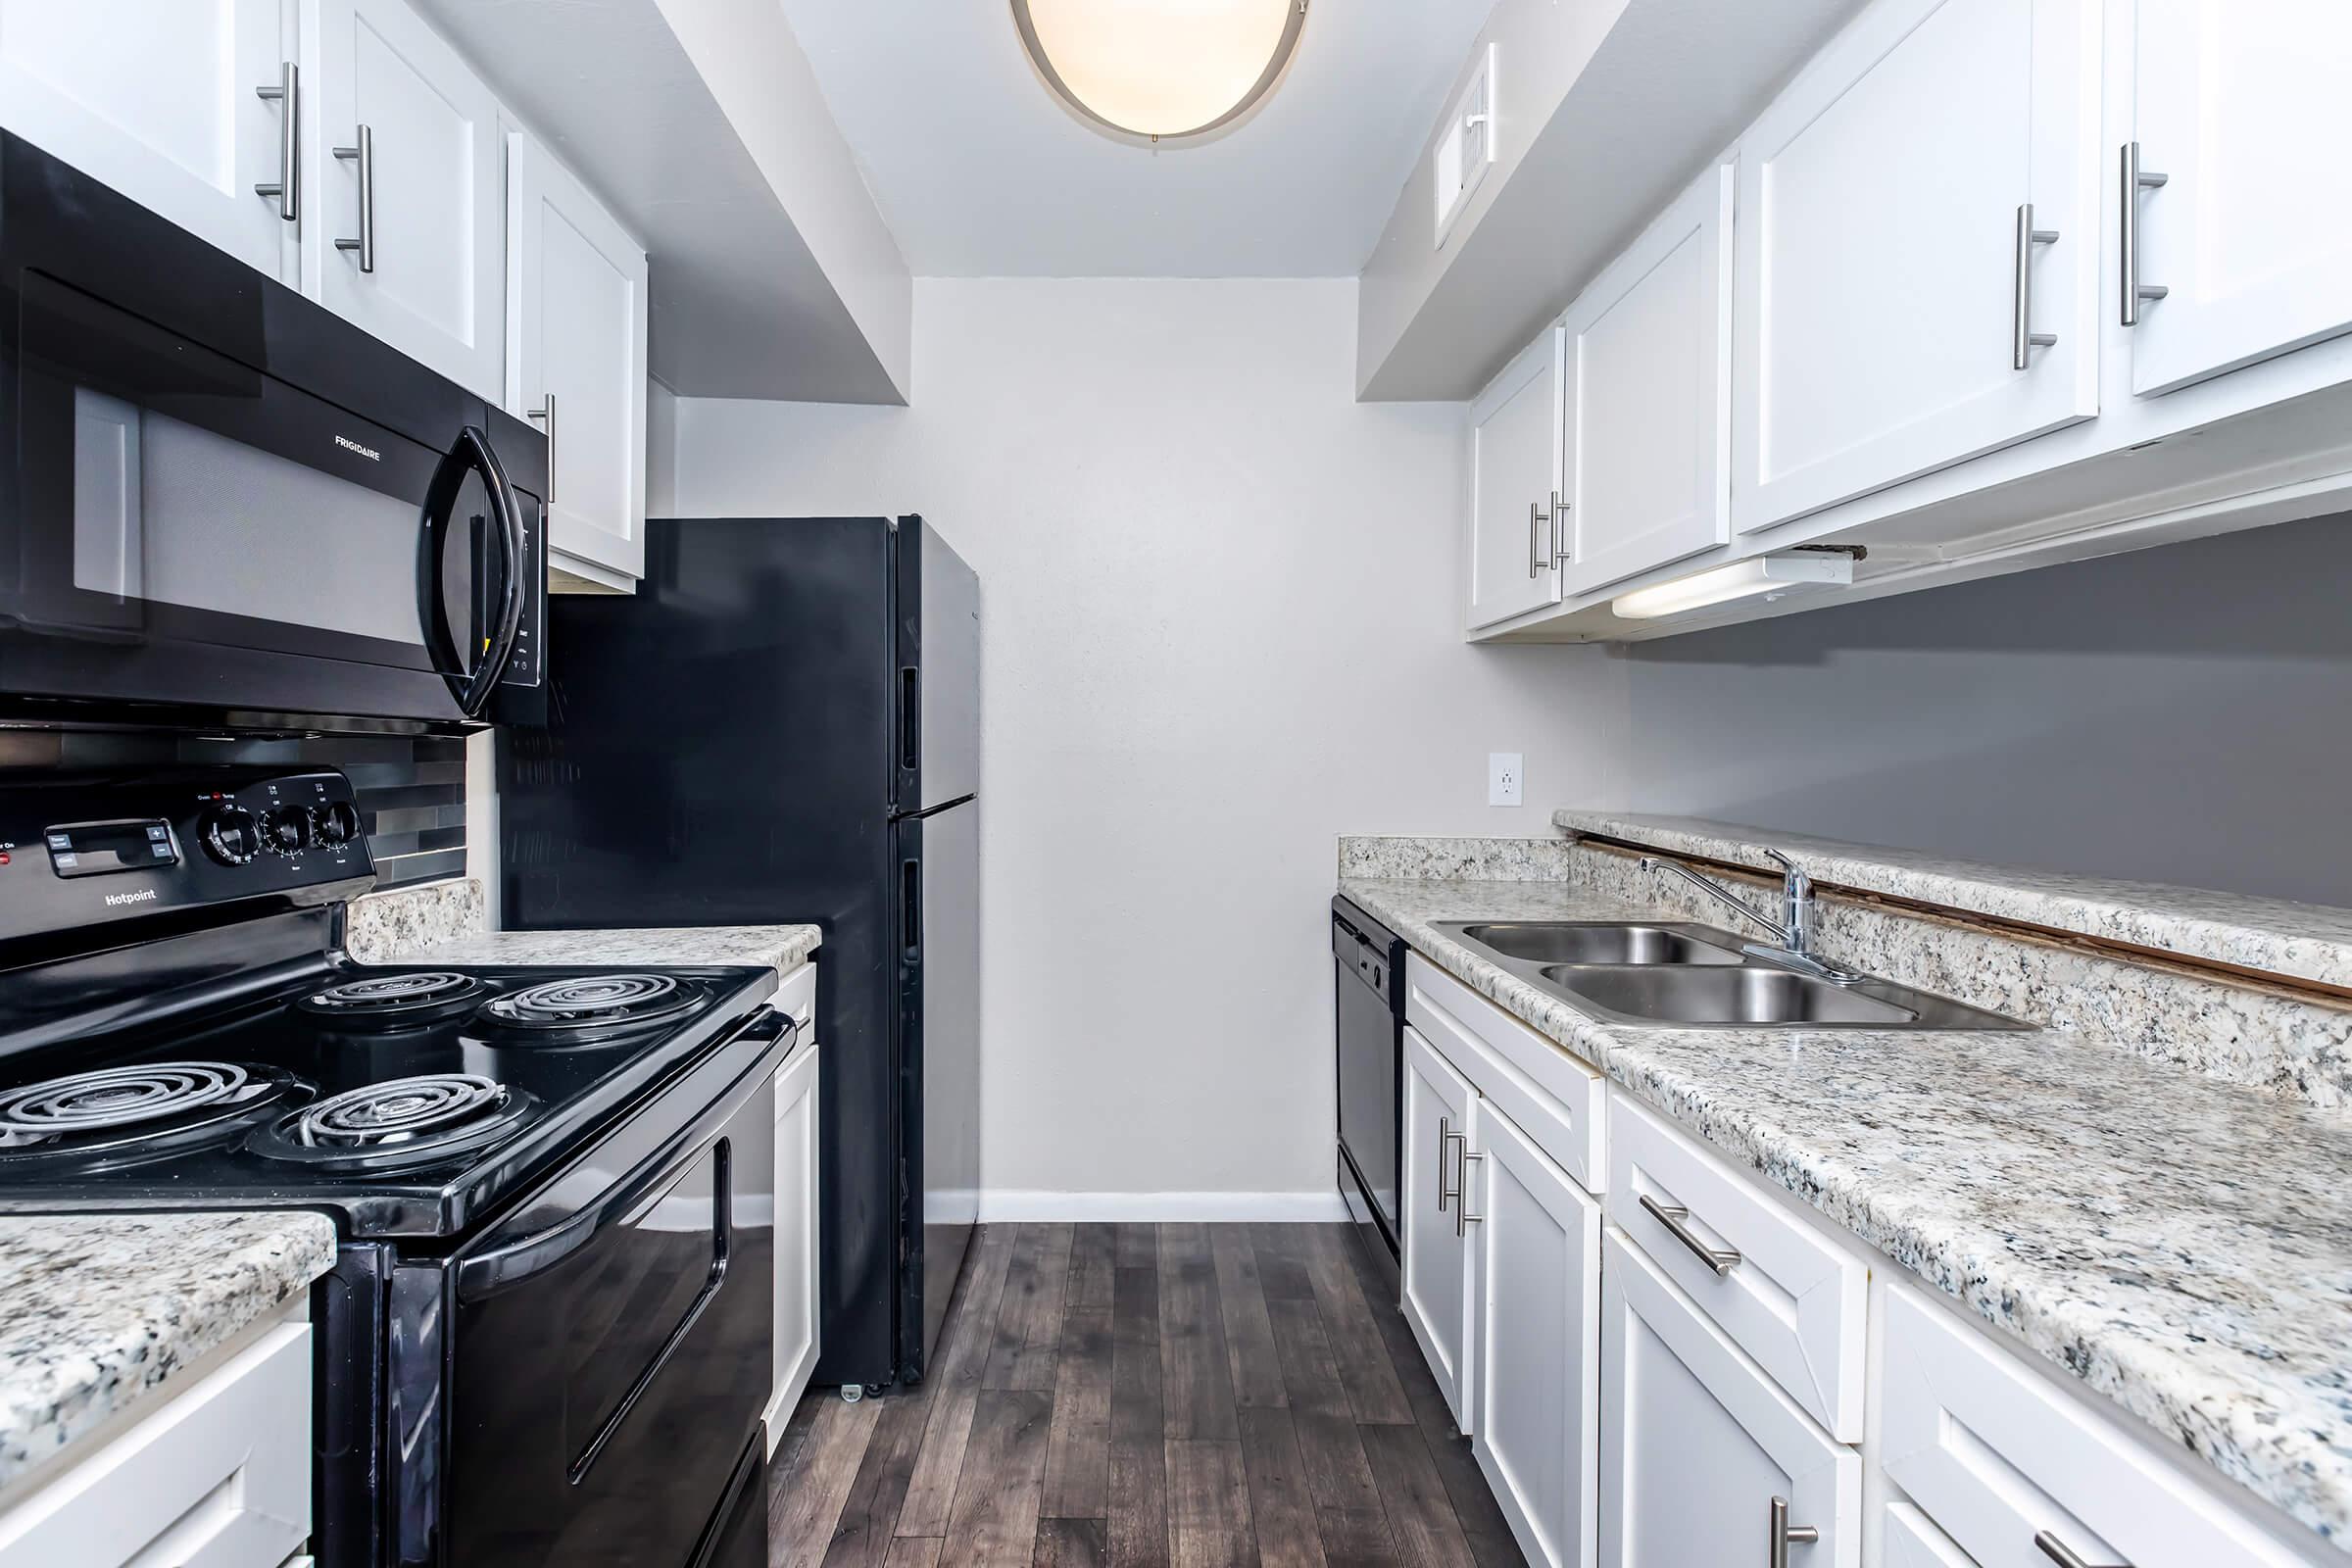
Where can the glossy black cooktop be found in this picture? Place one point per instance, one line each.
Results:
(409, 1099)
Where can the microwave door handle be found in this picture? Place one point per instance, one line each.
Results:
(487, 1274)
(470, 455)
(500, 650)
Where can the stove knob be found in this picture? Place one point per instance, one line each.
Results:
(229, 836)
(287, 830)
(337, 823)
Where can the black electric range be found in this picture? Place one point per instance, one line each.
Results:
(547, 1338)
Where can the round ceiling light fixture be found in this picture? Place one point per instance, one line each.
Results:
(1161, 69)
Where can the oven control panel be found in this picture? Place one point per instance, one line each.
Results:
(88, 851)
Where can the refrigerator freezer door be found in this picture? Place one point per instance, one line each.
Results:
(940, 979)
(947, 666)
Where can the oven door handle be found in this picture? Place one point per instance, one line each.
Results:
(472, 454)
(486, 1274)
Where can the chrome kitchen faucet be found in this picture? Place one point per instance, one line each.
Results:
(1794, 930)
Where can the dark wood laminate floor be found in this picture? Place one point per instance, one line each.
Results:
(1173, 1396)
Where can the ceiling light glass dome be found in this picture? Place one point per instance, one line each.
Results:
(1165, 70)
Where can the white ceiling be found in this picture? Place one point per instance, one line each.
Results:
(981, 173)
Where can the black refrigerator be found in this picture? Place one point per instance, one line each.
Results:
(783, 724)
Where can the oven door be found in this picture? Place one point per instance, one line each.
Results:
(606, 1370)
(191, 532)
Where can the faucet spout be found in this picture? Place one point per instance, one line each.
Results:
(1792, 934)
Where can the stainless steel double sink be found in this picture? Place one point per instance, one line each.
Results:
(1688, 976)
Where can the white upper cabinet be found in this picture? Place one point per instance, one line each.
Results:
(404, 236)
(1515, 482)
(161, 100)
(575, 355)
(1648, 394)
(1899, 304)
(2241, 110)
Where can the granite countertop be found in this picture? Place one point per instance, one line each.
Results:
(2182, 1246)
(783, 947)
(98, 1311)
(2270, 936)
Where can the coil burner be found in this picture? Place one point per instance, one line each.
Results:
(396, 999)
(599, 1001)
(157, 1103)
(397, 1122)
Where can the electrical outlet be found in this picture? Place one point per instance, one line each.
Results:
(1503, 778)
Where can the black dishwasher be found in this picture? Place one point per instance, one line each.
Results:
(1368, 963)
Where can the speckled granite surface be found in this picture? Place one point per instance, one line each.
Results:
(403, 920)
(786, 947)
(98, 1310)
(1416, 859)
(2179, 1244)
(2303, 941)
(443, 921)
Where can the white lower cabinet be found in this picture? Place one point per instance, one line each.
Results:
(2017, 1475)
(1704, 1459)
(1438, 1107)
(1535, 1307)
(218, 1476)
(795, 1344)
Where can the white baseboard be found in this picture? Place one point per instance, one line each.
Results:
(1002, 1204)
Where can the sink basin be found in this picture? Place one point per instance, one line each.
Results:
(1566, 942)
(1680, 975)
(1725, 997)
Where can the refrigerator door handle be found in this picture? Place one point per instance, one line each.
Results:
(911, 902)
(911, 718)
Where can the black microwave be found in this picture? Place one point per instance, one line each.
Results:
(223, 506)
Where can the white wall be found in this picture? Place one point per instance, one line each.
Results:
(1221, 611)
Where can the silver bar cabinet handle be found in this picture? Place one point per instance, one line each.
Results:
(1561, 555)
(365, 154)
(1538, 558)
(545, 414)
(2136, 180)
(286, 188)
(1786, 1535)
(1464, 1219)
(1721, 1259)
(2022, 339)
(1444, 1137)
(2064, 1555)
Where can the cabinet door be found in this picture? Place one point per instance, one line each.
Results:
(429, 283)
(1649, 399)
(1881, 291)
(1696, 1442)
(575, 333)
(1536, 1302)
(1439, 1106)
(1515, 477)
(157, 98)
(1996, 1458)
(796, 1235)
(2242, 110)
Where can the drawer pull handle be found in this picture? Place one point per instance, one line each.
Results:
(1786, 1535)
(1444, 1137)
(1464, 1219)
(2064, 1555)
(1721, 1259)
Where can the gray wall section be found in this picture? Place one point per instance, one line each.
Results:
(2181, 714)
